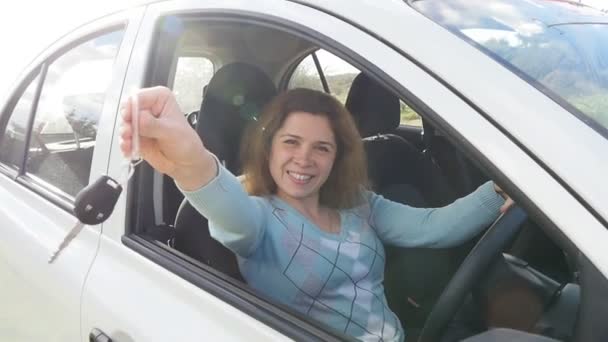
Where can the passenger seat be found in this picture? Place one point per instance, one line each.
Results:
(235, 97)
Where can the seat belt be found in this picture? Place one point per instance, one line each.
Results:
(428, 134)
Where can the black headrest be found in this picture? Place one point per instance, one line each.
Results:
(234, 98)
(375, 109)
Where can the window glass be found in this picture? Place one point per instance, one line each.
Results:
(562, 46)
(338, 73)
(191, 77)
(71, 102)
(339, 76)
(12, 142)
(409, 117)
(306, 76)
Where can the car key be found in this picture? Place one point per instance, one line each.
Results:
(135, 156)
(93, 205)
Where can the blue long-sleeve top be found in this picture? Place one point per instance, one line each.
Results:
(336, 279)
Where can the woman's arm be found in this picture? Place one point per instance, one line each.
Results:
(171, 146)
(402, 225)
(235, 218)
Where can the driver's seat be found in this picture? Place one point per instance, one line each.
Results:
(234, 98)
(414, 277)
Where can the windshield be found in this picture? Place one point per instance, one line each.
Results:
(560, 47)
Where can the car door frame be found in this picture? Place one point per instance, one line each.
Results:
(194, 295)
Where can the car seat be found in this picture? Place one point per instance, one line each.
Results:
(414, 277)
(394, 164)
(234, 98)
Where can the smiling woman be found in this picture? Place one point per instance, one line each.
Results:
(301, 157)
(308, 234)
(341, 155)
(316, 254)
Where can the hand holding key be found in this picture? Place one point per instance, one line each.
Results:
(167, 142)
(163, 138)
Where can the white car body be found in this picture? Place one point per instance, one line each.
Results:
(101, 282)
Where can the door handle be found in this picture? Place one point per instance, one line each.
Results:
(97, 335)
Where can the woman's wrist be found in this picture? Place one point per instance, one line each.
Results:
(197, 175)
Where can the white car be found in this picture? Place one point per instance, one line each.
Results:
(447, 94)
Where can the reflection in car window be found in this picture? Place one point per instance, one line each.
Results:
(561, 45)
(12, 142)
(191, 76)
(71, 102)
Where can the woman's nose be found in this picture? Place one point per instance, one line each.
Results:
(303, 156)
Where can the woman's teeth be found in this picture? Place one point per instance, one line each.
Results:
(299, 176)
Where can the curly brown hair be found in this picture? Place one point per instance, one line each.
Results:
(348, 177)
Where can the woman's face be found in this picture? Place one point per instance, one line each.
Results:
(301, 156)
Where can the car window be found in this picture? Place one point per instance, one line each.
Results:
(12, 142)
(191, 76)
(71, 101)
(306, 75)
(409, 117)
(339, 76)
(338, 73)
(559, 47)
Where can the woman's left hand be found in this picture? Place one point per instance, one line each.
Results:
(508, 201)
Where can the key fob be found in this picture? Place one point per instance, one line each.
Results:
(95, 203)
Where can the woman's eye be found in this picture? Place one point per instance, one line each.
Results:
(290, 141)
(323, 148)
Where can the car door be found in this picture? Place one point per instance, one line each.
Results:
(53, 140)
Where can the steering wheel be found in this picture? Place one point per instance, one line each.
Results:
(487, 250)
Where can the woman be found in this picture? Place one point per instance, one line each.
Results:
(307, 233)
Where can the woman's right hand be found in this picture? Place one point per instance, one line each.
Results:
(167, 142)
